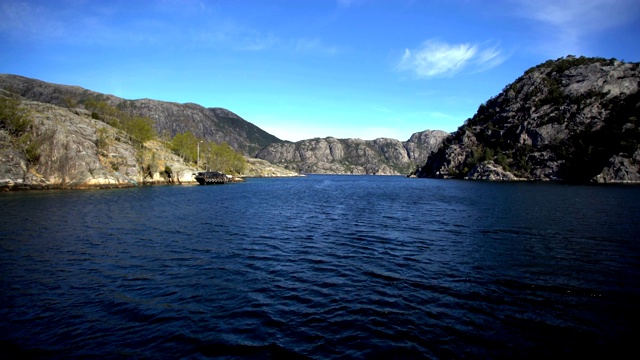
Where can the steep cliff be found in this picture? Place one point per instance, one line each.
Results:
(354, 156)
(569, 119)
(214, 124)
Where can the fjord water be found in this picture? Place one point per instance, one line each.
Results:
(321, 267)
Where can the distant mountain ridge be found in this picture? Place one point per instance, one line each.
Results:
(214, 124)
(330, 155)
(574, 119)
(354, 156)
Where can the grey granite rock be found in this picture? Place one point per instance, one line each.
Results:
(567, 119)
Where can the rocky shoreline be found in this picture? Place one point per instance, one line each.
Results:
(571, 119)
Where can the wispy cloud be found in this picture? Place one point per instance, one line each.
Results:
(582, 16)
(114, 25)
(48, 22)
(24, 20)
(566, 24)
(439, 59)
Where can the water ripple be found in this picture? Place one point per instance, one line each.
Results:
(321, 267)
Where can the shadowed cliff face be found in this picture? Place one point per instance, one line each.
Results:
(570, 119)
(354, 156)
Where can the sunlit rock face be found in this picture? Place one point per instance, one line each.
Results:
(355, 156)
(69, 154)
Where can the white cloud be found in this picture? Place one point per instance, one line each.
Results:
(438, 59)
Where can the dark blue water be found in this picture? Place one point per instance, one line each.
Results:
(321, 267)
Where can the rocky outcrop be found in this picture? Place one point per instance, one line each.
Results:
(569, 119)
(330, 155)
(354, 156)
(214, 124)
(75, 151)
(621, 170)
(488, 170)
(259, 168)
(71, 150)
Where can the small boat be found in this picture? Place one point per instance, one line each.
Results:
(212, 177)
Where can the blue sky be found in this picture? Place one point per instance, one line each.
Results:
(302, 69)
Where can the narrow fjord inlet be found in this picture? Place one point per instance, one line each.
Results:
(322, 267)
(336, 179)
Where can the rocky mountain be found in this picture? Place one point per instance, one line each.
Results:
(354, 156)
(67, 148)
(330, 155)
(69, 154)
(573, 119)
(214, 124)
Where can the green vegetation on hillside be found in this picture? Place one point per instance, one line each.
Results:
(563, 64)
(138, 128)
(220, 157)
(14, 118)
(186, 146)
(212, 156)
(223, 158)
